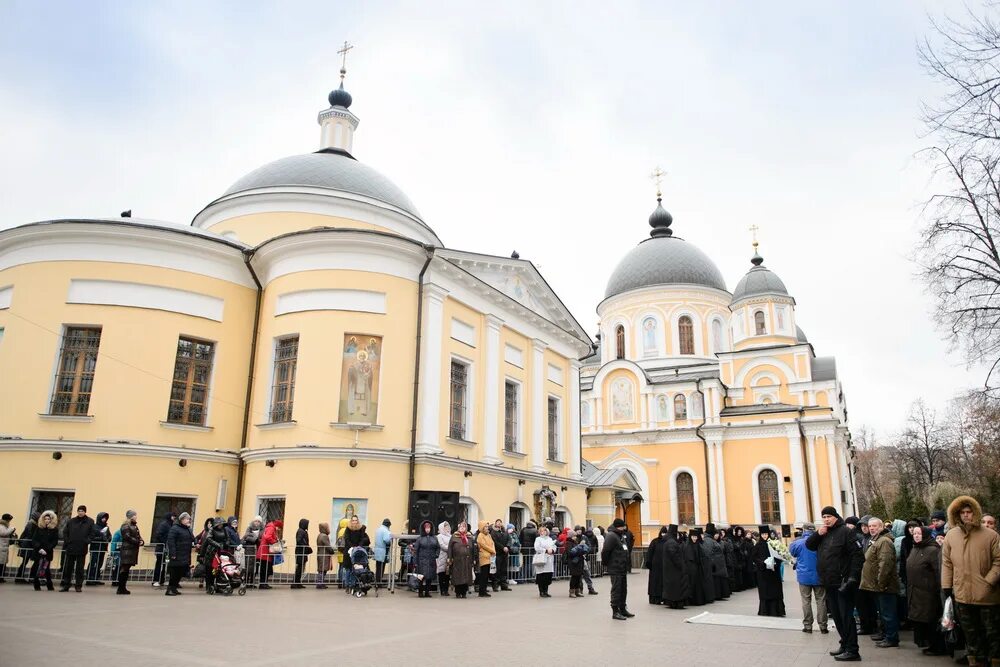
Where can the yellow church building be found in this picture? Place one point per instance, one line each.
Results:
(714, 400)
(306, 348)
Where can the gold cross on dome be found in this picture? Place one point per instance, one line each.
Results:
(753, 230)
(343, 52)
(657, 177)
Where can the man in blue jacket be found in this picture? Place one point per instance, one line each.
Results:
(808, 578)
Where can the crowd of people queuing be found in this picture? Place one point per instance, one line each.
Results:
(868, 576)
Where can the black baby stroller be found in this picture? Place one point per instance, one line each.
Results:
(363, 579)
(227, 570)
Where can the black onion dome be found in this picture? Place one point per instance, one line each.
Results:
(660, 220)
(340, 98)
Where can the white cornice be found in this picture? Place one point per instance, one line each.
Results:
(664, 295)
(319, 201)
(342, 249)
(123, 243)
(765, 351)
(119, 449)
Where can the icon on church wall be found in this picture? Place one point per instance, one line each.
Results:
(649, 336)
(662, 409)
(345, 508)
(359, 379)
(621, 401)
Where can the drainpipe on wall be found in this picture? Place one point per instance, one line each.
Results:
(247, 256)
(697, 431)
(429, 249)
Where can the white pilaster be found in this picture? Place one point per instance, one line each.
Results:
(813, 477)
(713, 501)
(539, 405)
(491, 417)
(431, 344)
(831, 451)
(798, 476)
(721, 470)
(573, 442)
(717, 401)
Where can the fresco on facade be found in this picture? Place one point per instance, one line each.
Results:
(345, 508)
(359, 378)
(621, 401)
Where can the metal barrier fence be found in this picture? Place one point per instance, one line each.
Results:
(101, 566)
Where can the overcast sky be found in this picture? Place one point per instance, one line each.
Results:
(531, 126)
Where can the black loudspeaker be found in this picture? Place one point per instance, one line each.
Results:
(433, 506)
(786, 530)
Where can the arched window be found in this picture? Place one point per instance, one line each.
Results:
(758, 323)
(685, 332)
(680, 407)
(619, 342)
(717, 335)
(685, 499)
(770, 506)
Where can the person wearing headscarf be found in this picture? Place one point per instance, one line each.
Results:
(460, 560)
(923, 594)
(544, 561)
(487, 551)
(383, 542)
(251, 540)
(443, 540)
(98, 549)
(653, 562)
(128, 550)
(769, 591)
(232, 532)
(675, 584)
(425, 554)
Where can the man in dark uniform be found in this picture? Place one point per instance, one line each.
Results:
(839, 562)
(615, 557)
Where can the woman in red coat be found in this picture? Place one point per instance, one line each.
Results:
(265, 559)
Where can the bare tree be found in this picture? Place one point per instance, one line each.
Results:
(959, 255)
(923, 449)
(871, 479)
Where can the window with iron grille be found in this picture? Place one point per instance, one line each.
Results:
(516, 517)
(770, 504)
(175, 505)
(75, 374)
(192, 372)
(510, 409)
(685, 499)
(286, 354)
(458, 422)
(685, 334)
(271, 508)
(553, 429)
(60, 502)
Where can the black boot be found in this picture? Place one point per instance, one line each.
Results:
(617, 615)
(626, 613)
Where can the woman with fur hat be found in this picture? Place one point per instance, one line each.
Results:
(44, 539)
(970, 571)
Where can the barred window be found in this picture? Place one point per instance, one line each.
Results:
(553, 429)
(510, 409)
(60, 502)
(75, 374)
(192, 372)
(685, 334)
(458, 422)
(770, 505)
(286, 354)
(685, 499)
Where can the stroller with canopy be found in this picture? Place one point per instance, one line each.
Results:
(363, 577)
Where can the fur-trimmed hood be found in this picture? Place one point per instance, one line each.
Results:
(48, 519)
(955, 511)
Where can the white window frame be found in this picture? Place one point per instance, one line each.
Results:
(560, 431)
(519, 443)
(470, 392)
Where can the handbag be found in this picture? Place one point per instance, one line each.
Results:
(275, 548)
(279, 558)
(493, 564)
(540, 560)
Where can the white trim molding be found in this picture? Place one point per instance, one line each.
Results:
(119, 449)
(139, 295)
(6, 295)
(354, 300)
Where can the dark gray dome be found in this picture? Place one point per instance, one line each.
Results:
(666, 260)
(800, 335)
(326, 169)
(759, 280)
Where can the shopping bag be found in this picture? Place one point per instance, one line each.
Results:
(279, 558)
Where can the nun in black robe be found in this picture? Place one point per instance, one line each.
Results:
(772, 599)
(745, 546)
(654, 563)
(707, 548)
(732, 569)
(676, 586)
(693, 569)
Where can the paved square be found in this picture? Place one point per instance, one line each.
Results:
(310, 627)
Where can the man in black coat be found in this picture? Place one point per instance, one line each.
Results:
(160, 544)
(99, 549)
(498, 531)
(528, 535)
(302, 551)
(77, 535)
(839, 561)
(615, 557)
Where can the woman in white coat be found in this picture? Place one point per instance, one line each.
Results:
(544, 561)
(443, 538)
